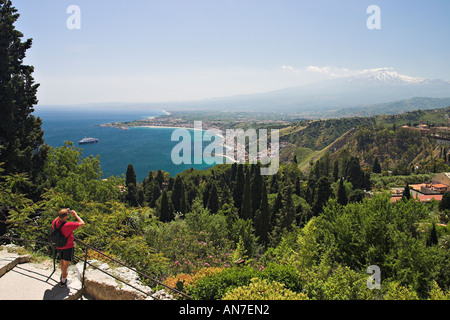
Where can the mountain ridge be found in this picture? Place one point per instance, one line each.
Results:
(372, 86)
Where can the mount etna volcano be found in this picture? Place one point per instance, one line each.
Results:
(369, 87)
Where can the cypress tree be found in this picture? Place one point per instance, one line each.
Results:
(22, 148)
(153, 193)
(406, 193)
(354, 174)
(166, 214)
(206, 194)
(445, 202)
(179, 195)
(233, 171)
(262, 218)
(256, 188)
(226, 197)
(336, 171)
(246, 211)
(276, 208)
(285, 217)
(274, 184)
(433, 238)
(238, 192)
(342, 198)
(298, 190)
(160, 178)
(130, 177)
(132, 196)
(170, 184)
(376, 168)
(213, 200)
(323, 193)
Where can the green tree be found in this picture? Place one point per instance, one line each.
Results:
(376, 168)
(213, 200)
(285, 218)
(406, 193)
(278, 204)
(323, 193)
(336, 171)
(22, 148)
(274, 188)
(246, 211)
(132, 196)
(130, 177)
(262, 218)
(179, 196)
(160, 178)
(433, 237)
(166, 214)
(445, 202)
(342, 198)
(152, 193)
(256, 188)
(354, 173)
(238, 191)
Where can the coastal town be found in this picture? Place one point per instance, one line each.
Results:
(233, 151)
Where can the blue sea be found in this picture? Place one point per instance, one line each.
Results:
(147, 149)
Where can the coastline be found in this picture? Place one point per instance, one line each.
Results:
(166, 127)
(187, 128)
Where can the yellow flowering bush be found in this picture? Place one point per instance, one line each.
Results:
(262, 289)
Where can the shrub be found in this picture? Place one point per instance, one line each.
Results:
(335, 283)
(214, 287)
(286, 274)
(262, 289)
(191, 279)
(436, 293)
(394, 291)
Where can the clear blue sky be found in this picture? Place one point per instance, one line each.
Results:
(164, 50)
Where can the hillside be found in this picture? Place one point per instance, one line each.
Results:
(379, 136)
(394, 107)
(370, 87)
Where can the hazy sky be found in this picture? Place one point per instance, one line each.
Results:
(167, 50)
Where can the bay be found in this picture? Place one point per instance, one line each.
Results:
(148, 149)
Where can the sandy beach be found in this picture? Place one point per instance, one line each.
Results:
(187, 128)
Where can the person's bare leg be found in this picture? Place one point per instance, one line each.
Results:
(64, 269)
(61, 265)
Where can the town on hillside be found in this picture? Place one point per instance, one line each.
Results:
(426, 191)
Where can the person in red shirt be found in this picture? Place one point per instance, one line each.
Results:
(66, 252)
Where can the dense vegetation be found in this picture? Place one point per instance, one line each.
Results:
(229, 232)
(313, 234)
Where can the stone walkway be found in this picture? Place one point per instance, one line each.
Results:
(21, 279)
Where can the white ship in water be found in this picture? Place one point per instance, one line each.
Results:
(88, 141)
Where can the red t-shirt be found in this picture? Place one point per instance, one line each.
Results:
(67, 231)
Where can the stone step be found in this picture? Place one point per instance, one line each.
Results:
(9, 260)
(23, 280)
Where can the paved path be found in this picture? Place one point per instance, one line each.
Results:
(30, 281)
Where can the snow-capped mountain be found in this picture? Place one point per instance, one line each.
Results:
(368, 87)
(387, 76)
